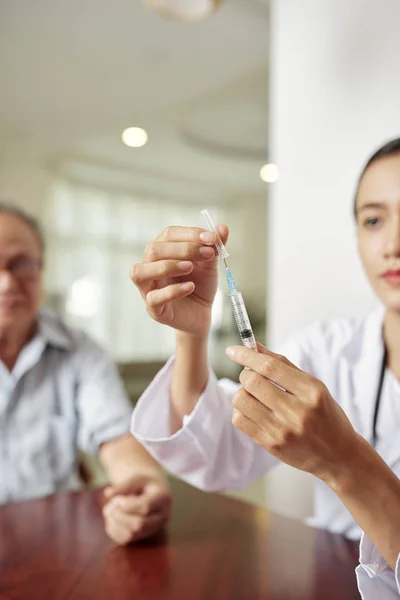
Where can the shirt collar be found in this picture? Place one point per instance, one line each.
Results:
(52, 330)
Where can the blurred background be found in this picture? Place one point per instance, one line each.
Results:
(309, 88)
(74, 75)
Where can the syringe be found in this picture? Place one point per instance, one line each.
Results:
(235, 297)
(240, 312)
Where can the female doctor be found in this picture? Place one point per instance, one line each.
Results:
(342, 395)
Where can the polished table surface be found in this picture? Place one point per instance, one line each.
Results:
(215, 548)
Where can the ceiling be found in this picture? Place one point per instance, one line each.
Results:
(74, 74)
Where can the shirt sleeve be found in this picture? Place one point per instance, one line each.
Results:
(376, 580)
(208, 451)
(103, 407)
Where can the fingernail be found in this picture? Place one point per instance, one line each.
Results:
(184, 265)
(207, 252)
(208, 237)
(187, 286)
(231, 351)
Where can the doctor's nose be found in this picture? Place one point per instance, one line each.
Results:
(392, 241)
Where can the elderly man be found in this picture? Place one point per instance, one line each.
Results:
(59, 392)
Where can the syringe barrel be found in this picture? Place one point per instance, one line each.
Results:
(242, 320)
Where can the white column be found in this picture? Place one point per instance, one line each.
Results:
(335, 97)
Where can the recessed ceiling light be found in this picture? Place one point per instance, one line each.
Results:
(269, 173)
(134, 137)
(184, 10)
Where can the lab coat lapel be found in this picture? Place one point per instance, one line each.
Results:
(394, 455)
(367, 372)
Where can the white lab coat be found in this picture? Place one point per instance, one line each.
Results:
(376, 580)
(211, 454)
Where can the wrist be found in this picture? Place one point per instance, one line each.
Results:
(190, 340)
(161, 477)
(346, 474)
(139, 478)
(189, 377)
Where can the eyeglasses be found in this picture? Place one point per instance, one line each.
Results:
(23, 268)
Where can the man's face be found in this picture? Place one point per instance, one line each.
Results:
(20, 273)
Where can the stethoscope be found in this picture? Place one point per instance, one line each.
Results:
(378, 398)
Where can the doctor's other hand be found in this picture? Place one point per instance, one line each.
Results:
(136, 509)
(302, 426)
(178, 277)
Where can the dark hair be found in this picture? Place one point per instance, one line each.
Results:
(389, 149)
(7, 208)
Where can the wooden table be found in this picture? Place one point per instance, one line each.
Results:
(215, 548)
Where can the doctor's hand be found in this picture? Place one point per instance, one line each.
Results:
(178, 277)
(302, 426)
(136, 510)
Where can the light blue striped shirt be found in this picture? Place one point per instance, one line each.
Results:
(63, 394)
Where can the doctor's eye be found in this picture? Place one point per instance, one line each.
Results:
(372, 222)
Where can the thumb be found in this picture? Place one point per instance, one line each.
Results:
(108, 492)
(134, 485)
(263, 350)
(223, 232)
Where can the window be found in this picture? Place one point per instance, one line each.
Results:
(94, 236)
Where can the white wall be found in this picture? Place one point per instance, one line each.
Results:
(335, 97)
(25, 181)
